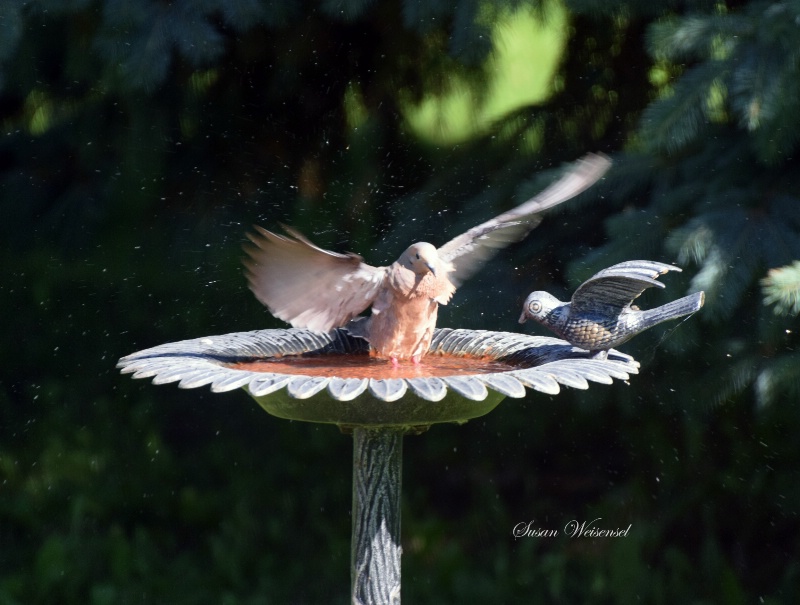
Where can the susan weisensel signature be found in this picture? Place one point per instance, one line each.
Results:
(573, 529)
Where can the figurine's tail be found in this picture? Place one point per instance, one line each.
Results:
(359, 326)
(676, 308)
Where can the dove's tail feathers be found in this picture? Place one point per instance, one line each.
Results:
(673, 310)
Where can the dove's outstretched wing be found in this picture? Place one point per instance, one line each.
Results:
(307, 286)
(619, 285)
(471, 249)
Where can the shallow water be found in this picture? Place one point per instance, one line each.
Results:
(364, 366)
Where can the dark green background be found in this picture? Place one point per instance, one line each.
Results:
(139, 142)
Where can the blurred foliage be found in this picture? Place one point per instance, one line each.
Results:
(782, 287)
(140, 140)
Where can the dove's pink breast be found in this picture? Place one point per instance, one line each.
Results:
(404, 328)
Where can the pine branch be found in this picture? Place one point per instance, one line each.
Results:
(60, 6)
(690, 37)
(470, 40)
(422, 15)
(11, 28)
(756, 86)
(734, 378)
(782, 288)
(347, 10)
(195, 37)
(669, 124)
(779, 377)
(243, 14)
(693, 242)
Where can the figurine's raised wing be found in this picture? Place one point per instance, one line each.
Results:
(619, 285)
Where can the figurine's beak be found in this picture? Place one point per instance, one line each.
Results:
(523, 318)
(431, 268)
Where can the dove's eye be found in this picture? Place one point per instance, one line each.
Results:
(417, 255)
(535, 306)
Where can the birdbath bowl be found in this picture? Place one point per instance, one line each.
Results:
(331, 378)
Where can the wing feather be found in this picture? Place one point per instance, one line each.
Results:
(619, 285)
(305, 285)
(471, 249)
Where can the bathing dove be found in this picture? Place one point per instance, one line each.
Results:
(320, 290)
(601, 315)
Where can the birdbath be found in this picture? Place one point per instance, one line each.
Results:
(330, 378)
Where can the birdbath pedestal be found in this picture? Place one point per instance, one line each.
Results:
(330, 378)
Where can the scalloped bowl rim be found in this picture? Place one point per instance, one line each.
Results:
(541, 363)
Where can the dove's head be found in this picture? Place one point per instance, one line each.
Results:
(421, 258)
(539, 306)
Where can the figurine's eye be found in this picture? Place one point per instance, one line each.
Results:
(535, 306)
(417, 255)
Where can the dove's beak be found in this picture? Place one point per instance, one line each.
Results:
(431, 268)
(523, 318)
